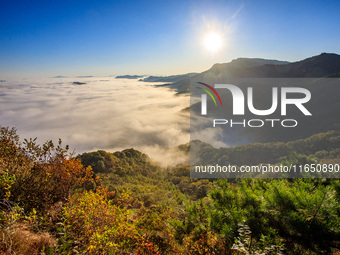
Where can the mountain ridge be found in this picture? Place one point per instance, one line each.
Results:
(321, 65)
(171, 78)
(325, 65)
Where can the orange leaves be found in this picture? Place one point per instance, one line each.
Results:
(146, 247)
(206, 243)
(75, 173)
(38, 176)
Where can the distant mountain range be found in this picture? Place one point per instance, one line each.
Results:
(129, 76)
(245, 73)
(323, 65)
(60, 76)
(172, 78)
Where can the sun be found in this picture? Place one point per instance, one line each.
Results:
(213, 42)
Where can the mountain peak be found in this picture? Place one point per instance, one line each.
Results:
(323, 65)
(257, 62)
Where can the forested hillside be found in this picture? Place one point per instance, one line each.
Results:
(322, 146)
(122, 203)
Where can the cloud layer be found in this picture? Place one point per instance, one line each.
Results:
(105, 113)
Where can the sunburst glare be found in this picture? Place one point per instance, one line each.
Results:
(213, 42)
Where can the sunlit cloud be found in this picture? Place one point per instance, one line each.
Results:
(110, 114)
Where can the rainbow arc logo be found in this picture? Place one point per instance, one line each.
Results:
(204, 97)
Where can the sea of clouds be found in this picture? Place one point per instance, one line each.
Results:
(104, 113)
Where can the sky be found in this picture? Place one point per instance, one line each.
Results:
(155, 37)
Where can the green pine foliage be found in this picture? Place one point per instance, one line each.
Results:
(119, 203)
(321, 146)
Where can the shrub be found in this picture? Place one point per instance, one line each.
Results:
(37, 176)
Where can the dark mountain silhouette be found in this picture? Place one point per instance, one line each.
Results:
(323, 65)
(237, 67)
(60, 76)
(129, 76)
(244, 73)
(78, 83)
(172, 78)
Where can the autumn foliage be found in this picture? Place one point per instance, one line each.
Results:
(103, 226)
(38, 176)
(53, 203)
